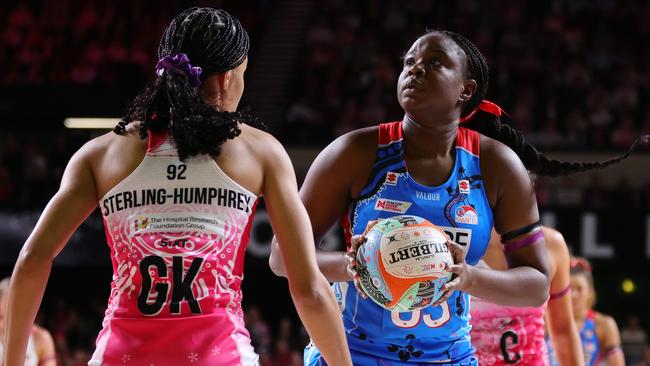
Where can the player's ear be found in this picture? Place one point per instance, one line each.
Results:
(469, 88)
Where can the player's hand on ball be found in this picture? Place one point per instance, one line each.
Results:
(351, 256)
(461, 272)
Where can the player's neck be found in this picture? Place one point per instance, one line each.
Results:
(429, 138)
(579, 316)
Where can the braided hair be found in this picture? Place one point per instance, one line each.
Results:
(486, 118)
(216, 42)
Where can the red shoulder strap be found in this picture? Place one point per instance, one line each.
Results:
(591, 314)
(389, 132)
(156, 139)
(468, 140)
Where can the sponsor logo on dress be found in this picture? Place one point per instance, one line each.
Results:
(391, 178)
(172, 222)
(463, 186)
(389, 205)
(466, 215)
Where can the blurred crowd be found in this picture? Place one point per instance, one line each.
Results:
(565, 192)
(571, 73)
(93, 42)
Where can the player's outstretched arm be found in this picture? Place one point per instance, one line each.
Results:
(311, 293)
(562, 328)
(70, 206)
(526, 282)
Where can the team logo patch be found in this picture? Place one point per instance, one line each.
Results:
(466, 215)
(395, 206)
(391, 178)
(463, 186)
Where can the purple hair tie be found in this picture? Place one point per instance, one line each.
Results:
(180, 64)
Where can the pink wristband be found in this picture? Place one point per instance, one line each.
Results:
(613, 350)
(523, 242)
(557, 295)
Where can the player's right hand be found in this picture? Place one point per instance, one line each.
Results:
(351, 256)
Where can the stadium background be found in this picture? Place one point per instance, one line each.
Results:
(572, 73)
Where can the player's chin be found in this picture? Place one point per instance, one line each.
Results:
(411, 101)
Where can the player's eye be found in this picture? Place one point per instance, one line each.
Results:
(435, 62)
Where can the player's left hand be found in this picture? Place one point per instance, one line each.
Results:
(351, 256)
(461, 273)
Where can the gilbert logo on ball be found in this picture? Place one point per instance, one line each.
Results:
(402, 263)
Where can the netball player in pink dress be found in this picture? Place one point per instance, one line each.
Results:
(177, 192)
(504, 335)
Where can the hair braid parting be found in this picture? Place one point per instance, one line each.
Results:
(216, 42)
(490, 124)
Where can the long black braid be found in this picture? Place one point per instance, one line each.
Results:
(490, 124)
(215, 41)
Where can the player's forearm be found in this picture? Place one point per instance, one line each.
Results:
(333, 265)
(320, 314)
(25, 294)
(519, 286)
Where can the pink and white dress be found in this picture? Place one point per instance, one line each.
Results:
(504, 335)
(177, 233)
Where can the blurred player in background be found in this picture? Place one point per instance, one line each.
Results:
(601, 340)
(177, 185)
(515, 335)
(40, 346)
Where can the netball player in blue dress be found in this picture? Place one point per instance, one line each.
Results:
(431, 165)
(599, 334)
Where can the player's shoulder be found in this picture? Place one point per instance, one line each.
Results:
(607, 330)
(497, 152)
(360, 144)
(259, 143)
(554, 240)
(100, 145)
(604, 321)
(501, 168)
(552, 234)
